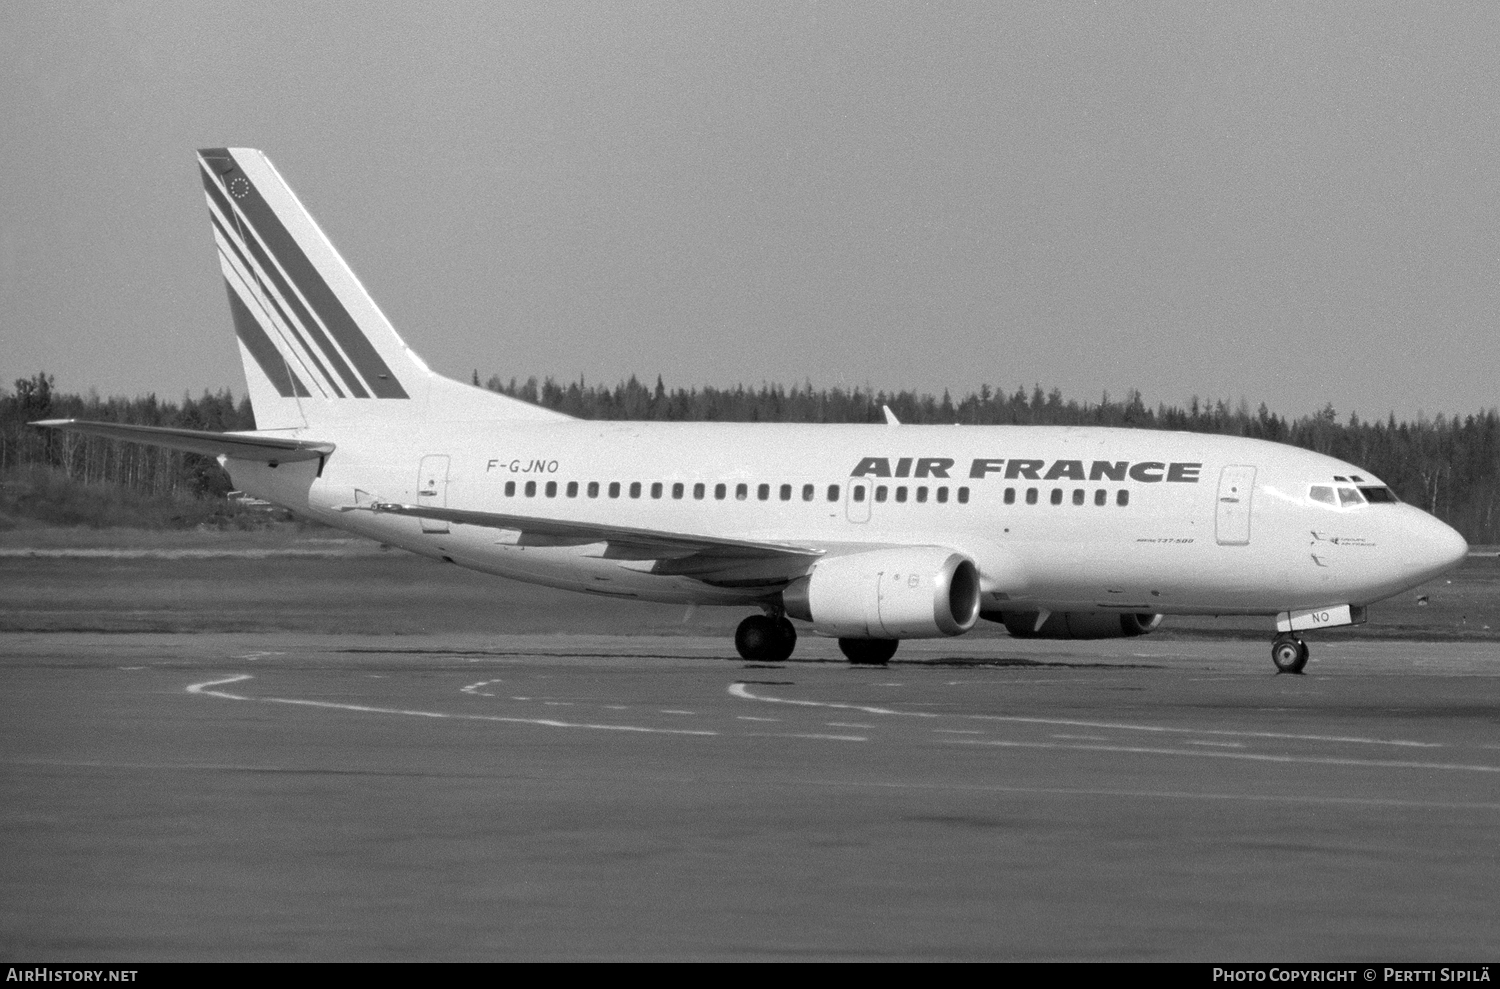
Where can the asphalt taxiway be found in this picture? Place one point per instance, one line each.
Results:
(296, 796)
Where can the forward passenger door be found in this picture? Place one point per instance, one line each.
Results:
(1232, 520)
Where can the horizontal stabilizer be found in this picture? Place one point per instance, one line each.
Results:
(240, 446)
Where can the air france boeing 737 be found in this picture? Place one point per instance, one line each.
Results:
(868, 533)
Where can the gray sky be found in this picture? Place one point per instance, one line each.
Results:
(1293, 203)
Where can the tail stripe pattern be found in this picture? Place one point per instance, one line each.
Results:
(248, 274)
(273, 286)
(283, 264)
(286, 382)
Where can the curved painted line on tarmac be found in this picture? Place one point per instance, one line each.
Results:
(202, 689)
(741, 691)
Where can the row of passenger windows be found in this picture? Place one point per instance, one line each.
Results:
(1080, 496)
(809, 492)
(679, 491)
(659, 489)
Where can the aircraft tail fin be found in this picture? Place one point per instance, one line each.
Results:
(316, 348)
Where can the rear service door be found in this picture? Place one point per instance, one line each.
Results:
(432, 490)
(1232, 522)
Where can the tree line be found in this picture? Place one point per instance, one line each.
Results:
(1447, 465)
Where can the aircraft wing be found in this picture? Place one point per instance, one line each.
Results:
(713, 559)
(241, 446)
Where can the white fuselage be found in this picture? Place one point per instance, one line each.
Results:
(1149, 521)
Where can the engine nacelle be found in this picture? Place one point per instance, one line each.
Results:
(915, 592)
(1078, 624)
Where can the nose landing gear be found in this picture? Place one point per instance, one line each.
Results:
(766, 638)
(1289, 653)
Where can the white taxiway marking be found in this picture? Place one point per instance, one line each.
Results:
(827, 738)
(1249, 756)
(846, 724)
(473, 688)
(669, 711)
(742, 691)
(203, 689)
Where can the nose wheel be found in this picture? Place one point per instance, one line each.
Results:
(764, 639)
(1289, 653)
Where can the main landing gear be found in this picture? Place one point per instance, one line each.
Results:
(772, 638)
(766, 638)
(1289, 653)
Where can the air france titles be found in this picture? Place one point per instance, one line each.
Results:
(1016, 468)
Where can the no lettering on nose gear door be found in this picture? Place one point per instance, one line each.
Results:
(1232, 521)
(432, 490)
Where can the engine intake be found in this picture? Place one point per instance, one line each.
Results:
(1078, 624)
(916, 592)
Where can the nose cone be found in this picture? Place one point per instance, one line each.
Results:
(1437, 547)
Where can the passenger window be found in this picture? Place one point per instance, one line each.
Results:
(808, 491)
(677, 490)
(741, 492)
(921, 493)
(1078, 496)
(510, 489)
(1348, 496)
(572, 489)
(614, 489)
(1010, 496)
(698, 491)
(656, 489)
(1123, 498)
(901, 492)
(635, 489)
(1031, 496)
(1057, 496)
(857, 493)
(1101, 496)
(1323, 493)
(763, 492)
(593, 489)
(531, 489)
(833, 492)
(551, 489)
(720, 491)
(963, 496)
(942, 496)
(880, 492)
(786, 492)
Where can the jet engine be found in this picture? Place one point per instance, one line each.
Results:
(914, 592)
(1078, 624)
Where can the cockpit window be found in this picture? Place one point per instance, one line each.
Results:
(1323, 493)
(1349, 496)
(1379, 495)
